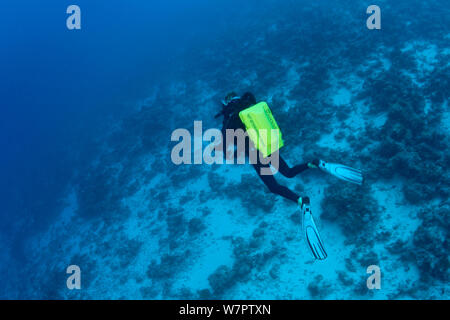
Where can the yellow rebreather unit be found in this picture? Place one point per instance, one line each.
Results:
(262, 128)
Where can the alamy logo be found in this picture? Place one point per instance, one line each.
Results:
(374, 21)
(74, 280)
(374, 281)
(74, 20)
(232, 146)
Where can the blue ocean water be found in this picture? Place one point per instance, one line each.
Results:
(86, 176)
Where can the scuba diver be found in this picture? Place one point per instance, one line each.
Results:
(243, 112)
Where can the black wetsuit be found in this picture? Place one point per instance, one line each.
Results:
(231, 120)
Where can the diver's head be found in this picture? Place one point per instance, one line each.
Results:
(230, 97)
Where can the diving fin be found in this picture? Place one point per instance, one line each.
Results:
(342, 172)
(310, 231)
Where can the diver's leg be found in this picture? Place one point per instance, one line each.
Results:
(274, 186)
(291, 172)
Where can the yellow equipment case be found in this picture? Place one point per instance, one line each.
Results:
(262, 128)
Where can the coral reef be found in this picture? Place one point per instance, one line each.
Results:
(431, 246)
(353, 209)
(117, 206)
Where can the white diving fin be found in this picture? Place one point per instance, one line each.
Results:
(342, 172)
(312, 236)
